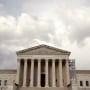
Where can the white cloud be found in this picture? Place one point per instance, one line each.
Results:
(55, 22)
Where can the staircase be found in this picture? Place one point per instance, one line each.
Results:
(42, 88)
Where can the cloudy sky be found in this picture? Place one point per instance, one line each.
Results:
(61, 23)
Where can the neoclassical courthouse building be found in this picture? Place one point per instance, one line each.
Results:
(44, 67)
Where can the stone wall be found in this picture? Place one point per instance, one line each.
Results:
(83, 76)
(7, 78)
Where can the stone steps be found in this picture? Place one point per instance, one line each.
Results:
(42, 88)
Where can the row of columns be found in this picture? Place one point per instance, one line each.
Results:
(39, 73)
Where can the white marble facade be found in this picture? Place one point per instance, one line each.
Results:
(43, 66)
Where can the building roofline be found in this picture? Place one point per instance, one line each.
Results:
(83, 71)
(43, 45)
(8, 71)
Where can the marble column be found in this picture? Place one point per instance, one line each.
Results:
(32, 73)
(67, 72)
(46, 73)
(53, 73)
(60, 74)
(39, 73)
(18, 71)
(25, 74)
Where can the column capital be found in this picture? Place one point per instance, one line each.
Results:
(60, 60)
(39, 60)
(46, 60)
(67, 60)
(53, 60)
(32, 60)
(25, 60)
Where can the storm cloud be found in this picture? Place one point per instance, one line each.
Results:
(61, 23)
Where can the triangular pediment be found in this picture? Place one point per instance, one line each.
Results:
(43, 50)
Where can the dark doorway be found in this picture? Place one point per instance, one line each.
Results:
(42, 80)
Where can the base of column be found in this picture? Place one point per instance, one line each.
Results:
(46, 86)
(61, 86)
(24, 86)
(31, 85)
(38, 86)
(53, 86)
